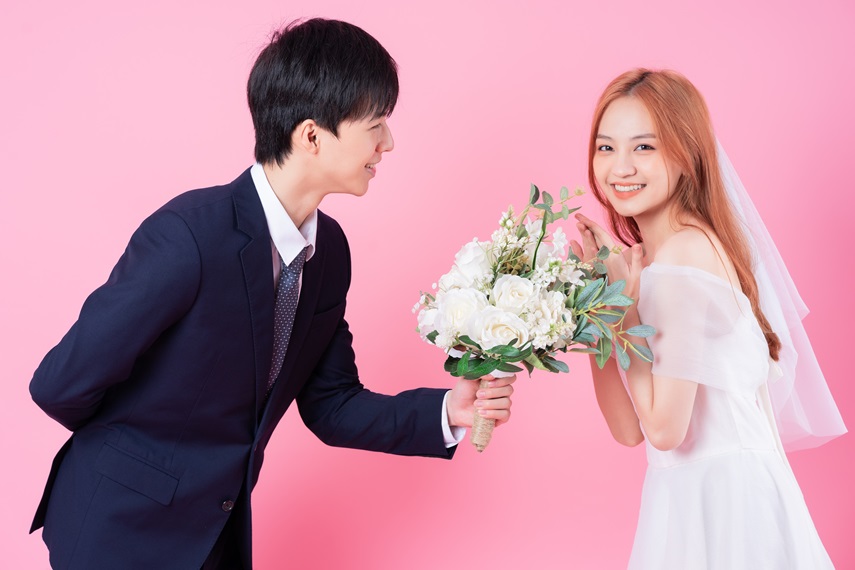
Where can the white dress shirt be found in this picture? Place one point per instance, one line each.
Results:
(288, 240)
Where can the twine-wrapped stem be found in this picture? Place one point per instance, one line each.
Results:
(482, 428)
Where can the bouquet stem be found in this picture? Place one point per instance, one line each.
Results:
(482, 428)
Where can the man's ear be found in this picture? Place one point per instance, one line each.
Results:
(305, 136)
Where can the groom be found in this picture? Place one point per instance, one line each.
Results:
(227, 305)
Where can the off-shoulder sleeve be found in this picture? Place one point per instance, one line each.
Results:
(705, 330)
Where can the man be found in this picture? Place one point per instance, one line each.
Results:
(227, 305)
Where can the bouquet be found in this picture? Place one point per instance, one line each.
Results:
(521, 298)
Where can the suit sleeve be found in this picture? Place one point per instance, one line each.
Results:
(151, 287)
(342, 412)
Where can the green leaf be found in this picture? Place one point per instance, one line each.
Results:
(614, 289)
(565, 211)
(589, 291)
(543, 207)
(535, 361)
(584, 338)
(604, 347)
(556, 364)
(609, 318)
(585, 350)
(450, 365)
(528, 367)
(504, 350)
(534, 195)
(506, 367)
(600, 268)
(565, 193)
(643, 352)
(620, 301)
(622, 357)
(431, 337)
(604, 253)
(468, 341)
(642, 331)
(483, 368)
(547, 199)
(463, 363)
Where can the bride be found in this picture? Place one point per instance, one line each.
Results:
(719, 492)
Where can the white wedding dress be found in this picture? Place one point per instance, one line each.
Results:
(726, 497)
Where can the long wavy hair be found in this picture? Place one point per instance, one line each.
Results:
(685, 133)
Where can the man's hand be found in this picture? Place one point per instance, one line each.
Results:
(493, 402)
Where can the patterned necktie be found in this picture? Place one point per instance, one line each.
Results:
(287, 293)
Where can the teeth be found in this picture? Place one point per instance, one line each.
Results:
(632, 188)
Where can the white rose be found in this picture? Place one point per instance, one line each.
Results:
(454, 279)
(472, 261)
(493, 327)
(426, 319)
(512, 293)
(455, 307)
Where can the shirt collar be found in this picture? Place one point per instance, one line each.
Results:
(287, 238)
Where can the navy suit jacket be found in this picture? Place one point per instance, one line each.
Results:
(162, 382)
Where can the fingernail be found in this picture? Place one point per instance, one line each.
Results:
(479, 404)
(481, 394)
(491, 383)
(482, 412)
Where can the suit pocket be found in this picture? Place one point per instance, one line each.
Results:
(136, 474)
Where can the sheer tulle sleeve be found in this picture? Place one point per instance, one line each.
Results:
(702, 333)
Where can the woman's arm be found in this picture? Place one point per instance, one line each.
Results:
(663, 406)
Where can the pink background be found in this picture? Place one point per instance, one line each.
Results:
(111, 108)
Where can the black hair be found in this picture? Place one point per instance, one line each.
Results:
(326, 70)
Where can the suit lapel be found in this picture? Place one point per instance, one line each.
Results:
(257, 262)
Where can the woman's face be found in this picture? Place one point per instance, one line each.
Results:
(629, 165)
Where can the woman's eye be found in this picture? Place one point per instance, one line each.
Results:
(644, 147)
(604, 148)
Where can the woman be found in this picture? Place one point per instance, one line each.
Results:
(718, 492)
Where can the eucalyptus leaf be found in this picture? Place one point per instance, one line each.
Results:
(609, 318)
(614, 288)
(603, 253)
(589, 291)
(565, 211)
(644, 352)
(558, 365)
(547, 198)
(534, 195)
(623, 358)
(620, 301)
(600, 268)
(585, 350)
(641, 331)
(565, 193)
(604, 347)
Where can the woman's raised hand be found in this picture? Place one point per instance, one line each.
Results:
(626, 266)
